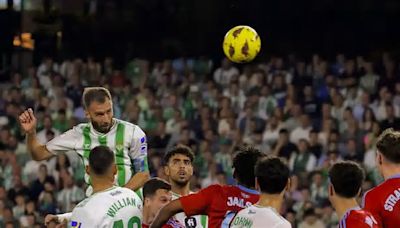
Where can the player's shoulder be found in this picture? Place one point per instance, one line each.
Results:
(126, 123)
(381, 189)
(360, 217)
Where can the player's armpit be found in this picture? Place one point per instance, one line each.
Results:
(138, 180)
(166, 213)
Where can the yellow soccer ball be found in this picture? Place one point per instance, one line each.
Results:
(241, 44)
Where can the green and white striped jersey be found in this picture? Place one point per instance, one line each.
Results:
(198, 221)
(125, 139)
(114, 207)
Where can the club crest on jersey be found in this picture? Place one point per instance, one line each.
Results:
(119, 147)
(190, 222)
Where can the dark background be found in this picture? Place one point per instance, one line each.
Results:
(157, 29)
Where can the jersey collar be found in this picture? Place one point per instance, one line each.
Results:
(248, 190)
(394, 176)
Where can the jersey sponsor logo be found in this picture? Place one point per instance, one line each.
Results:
(251, 212)
(115, 193)
(392, 200)
(190, 222)
(238, 202)
(75, 224)
(370, 221)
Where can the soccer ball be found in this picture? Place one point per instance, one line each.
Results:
(241, 44)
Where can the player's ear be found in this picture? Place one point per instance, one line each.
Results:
(257, 185)
(379, 158)
(166, 170)
(87, 114)
(288, 184)
(114, 170)
(331, 191)
(87, 169)
(359, 192)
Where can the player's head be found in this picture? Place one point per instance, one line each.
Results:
(178, 165)
(156, 194)
(243, 164)
(388, 150)
(97, 102)
(272, 175)
(101, 163)
(346, 178)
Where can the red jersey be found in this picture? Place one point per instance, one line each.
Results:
(357, 217)
(383, 202)
(216, 201)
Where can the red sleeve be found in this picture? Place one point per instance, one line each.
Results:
(198, 203)
(370, 203)
(360, 223)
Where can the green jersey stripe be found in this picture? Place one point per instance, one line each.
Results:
(119, 145)
(203, 221)
(86, 142)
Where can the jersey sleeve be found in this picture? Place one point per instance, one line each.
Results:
(199, 203)
(358, 222)
(83, 218)
(370, 203)
(138, 150)
(64, 142)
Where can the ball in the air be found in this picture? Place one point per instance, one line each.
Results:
(241, 44)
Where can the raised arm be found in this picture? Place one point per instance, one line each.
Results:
(28, 123)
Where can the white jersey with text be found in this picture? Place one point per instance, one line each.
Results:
(115, 207)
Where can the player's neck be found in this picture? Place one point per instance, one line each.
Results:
(271, 200)
(101, 184)
(147, 217)
(180, 190)
(342, 205)
(390, 171)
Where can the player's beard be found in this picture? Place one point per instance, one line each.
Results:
(102, 128)
(180, 182)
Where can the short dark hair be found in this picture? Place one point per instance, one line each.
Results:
(244, 162)
(154, 184)
(98, 94)
(389, 145)
(100, 159)
(272, 174)
(184, 150)
(346, 178)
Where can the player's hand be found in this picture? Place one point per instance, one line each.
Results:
(28, 121)
(54, 218)
(49, 218)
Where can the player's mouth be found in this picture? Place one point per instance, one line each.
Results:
(182, 174)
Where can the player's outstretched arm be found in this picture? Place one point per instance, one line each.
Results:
(138, 180)
(28, 123)
(166, 213)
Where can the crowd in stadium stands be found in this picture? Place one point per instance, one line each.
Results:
(311, 112)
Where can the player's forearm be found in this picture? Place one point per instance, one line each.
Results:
(66, 217)
(166, 213)
(138, 180)
(37, 150)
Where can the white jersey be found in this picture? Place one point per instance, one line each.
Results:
(256, 216)
(114, 207)
(198, 221)
(126, 140)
